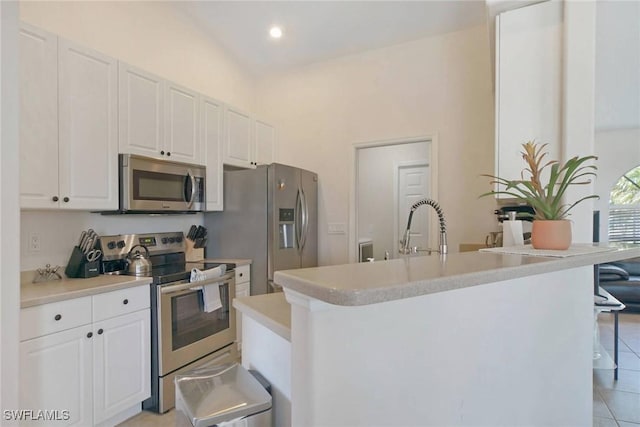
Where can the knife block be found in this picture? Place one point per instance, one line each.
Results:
(78, 266)
(193, 254)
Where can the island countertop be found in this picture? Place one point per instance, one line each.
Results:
(382, 281)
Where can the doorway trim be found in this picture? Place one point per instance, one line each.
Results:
(431, 154)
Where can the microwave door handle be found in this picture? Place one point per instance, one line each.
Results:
(193, 188)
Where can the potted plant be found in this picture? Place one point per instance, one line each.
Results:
(551, 229)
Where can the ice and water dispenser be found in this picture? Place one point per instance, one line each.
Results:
(286, 227)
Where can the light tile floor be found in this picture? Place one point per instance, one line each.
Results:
(615, 403)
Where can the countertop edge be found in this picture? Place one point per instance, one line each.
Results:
(364, 296)
(84, 289)
(261, 316)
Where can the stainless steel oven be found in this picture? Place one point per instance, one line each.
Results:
(187, 333)
(184, 335)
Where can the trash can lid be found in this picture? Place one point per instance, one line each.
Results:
(216, 394)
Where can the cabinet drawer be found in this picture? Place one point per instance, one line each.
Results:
(243, 274)
(125, 301)
(54, 317)
(243, 290)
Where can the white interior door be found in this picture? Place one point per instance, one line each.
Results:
(413, 185)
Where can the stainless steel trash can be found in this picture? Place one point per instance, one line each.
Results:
(225, 395)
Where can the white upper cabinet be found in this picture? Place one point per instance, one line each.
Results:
(68, 127)
(238, 138)
(181, 120)
(157, 118)
(38, 118)
(140, 111)
(265, 143)
(528, 83)
(248, 142)
(211, 119)
(88, 132)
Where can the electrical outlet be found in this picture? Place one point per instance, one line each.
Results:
(34, 243)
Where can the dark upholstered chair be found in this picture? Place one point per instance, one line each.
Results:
(622, 280)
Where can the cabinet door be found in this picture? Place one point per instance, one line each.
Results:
(265, 144)
(55, 374)
(211, 137)
(242, 290)
(122, 366)
(528, 83)
(88, 136)
(38, 118)
(140, 112)
(238, 139)
(182, 141)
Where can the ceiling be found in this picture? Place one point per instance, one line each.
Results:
(319, 30)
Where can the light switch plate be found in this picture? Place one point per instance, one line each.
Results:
(337, 228)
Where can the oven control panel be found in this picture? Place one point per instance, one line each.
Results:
(118, 246)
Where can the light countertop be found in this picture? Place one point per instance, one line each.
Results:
(381, 281)
(32, 294)
(271, 310)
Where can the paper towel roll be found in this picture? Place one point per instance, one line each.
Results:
(512, 233)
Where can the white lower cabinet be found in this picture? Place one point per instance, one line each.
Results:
(96, 370)
(121, 373)
(243, 289)
(55, 375)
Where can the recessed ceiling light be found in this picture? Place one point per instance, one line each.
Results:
(275, 32)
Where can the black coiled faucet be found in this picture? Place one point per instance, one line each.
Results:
(404, 243)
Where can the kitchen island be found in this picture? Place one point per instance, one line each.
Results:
(466, 339)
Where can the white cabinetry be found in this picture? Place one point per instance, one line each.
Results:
(238, 138)
(247, 142)
(528, 83)
(243, 289)
(157, 118)
(211, 122)
(265, 143)
(68, 126)
(96, 366)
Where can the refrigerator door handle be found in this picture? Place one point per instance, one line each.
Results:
(297, 223)
(305, 221)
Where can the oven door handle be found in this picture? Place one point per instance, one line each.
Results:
(186, 286)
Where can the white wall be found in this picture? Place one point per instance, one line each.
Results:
(618, 152)
(617, 95)
(151, 35)
(60, 230)
(440, 85)
(617, 65)
(9, 211)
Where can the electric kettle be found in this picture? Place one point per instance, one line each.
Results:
(139, 264)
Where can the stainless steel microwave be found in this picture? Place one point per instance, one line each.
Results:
(152, 185)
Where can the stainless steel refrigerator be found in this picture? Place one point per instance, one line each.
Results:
(270, 216)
